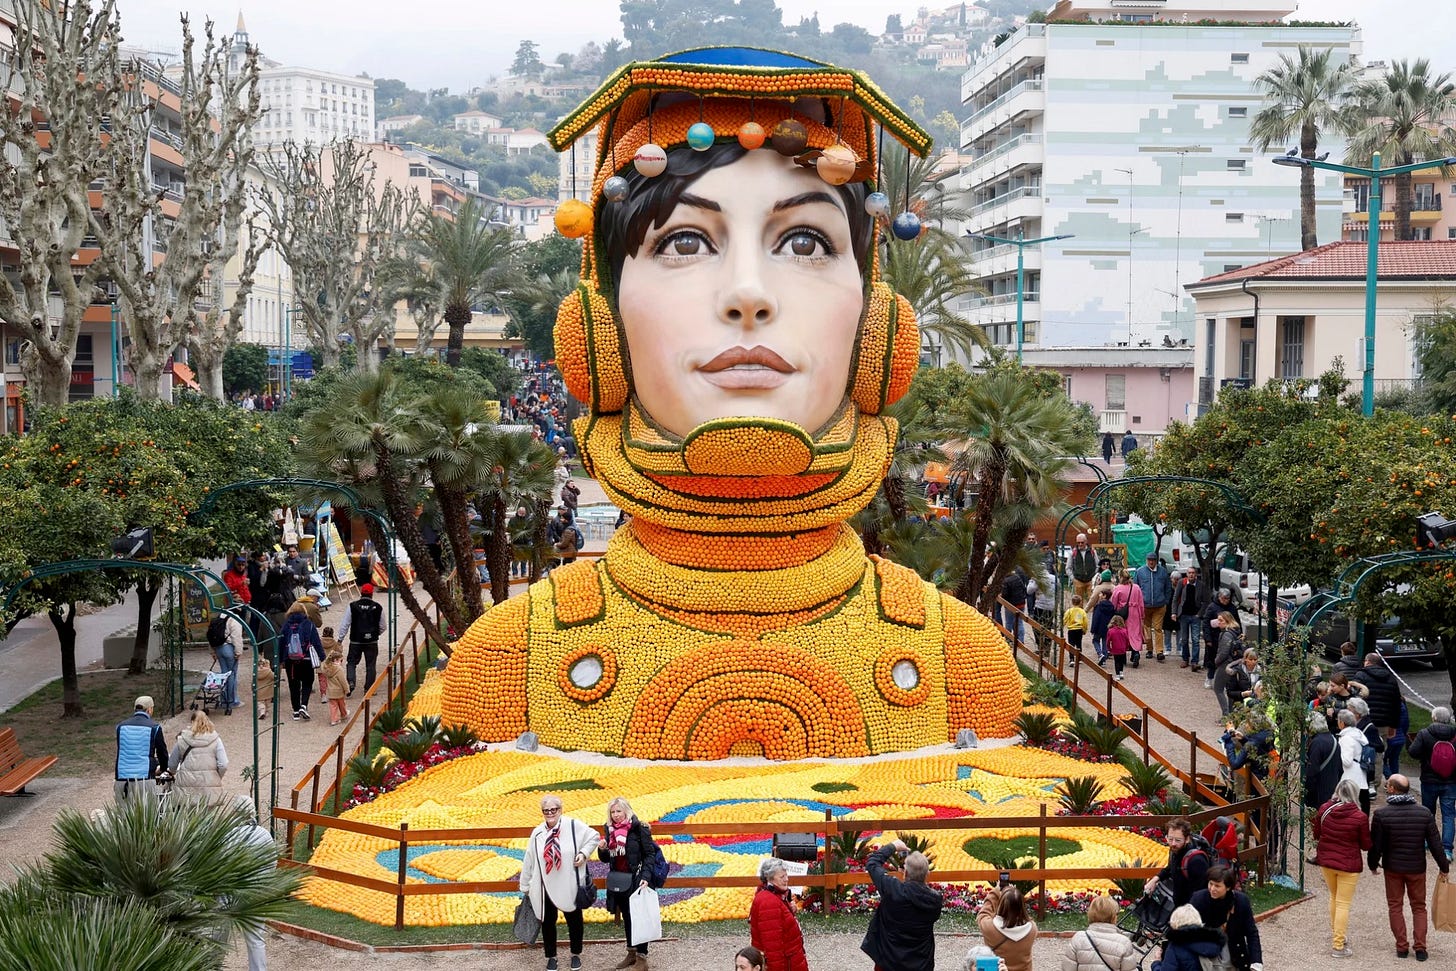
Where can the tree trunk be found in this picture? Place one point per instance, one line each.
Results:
(146, 591)
(992, 473)
(1402, 206)
(870, 536)
(63, 619)
(457, 532)
(540, 509)
(209, 378)
(498, 550)
(1004, 565)
(47, 379)
(457, 316)
(894, 486)
(411, 602)
(1308, 143)
(146, 368)
(407, 530)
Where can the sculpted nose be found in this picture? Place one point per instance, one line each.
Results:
(746, 300)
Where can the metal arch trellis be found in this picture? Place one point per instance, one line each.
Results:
(218, 601)
(1099, 494)
(355, 503)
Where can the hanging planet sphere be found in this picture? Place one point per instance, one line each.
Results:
(789, 137)
(836, 166)
(877, 204)
(614, 189)
(700, 137)
(906, 226)
(751, 135)
(573, 219)
(650, 160)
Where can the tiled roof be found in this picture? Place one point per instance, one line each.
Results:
(1345, 260)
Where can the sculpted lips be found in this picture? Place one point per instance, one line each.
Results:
(747, 369)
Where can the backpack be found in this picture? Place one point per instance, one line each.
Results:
(217, 632)
(1443, 759)
(295, 645)
(1367, 757)
(658, 876)
(1196, 845)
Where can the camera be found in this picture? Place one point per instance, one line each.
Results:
(1005, 880)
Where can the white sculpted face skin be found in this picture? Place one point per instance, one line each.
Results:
(746, 301)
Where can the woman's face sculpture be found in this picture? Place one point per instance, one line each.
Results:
(746, 301)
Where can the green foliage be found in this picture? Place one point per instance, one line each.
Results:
(457, 736)
(1435, 341)
(846, 845)
(1131, 888)
(494, 368)
(391, 719)
(410, 745)
(1079, 795)
(1036, 727)
(915, 843)
(1103, 738)
(365, 770)
(1009, 860)
(244, 368)
(1146, 779)
(1175, 802)
(834, 787)
(548, 270)
(569, 785)
(995, 851)
(424, 724)
(1053, 694)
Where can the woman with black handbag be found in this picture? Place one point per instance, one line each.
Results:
(628, 846)
(554, 878)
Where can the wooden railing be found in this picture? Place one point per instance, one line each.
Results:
(400, 887)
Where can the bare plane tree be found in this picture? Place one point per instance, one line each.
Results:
(322, 204)
(178, 299)
(51, 149)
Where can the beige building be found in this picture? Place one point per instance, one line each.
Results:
(1291, 317)
(476, 121)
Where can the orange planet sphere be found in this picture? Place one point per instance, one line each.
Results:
(573, 219)
(751, 135)
(836, 166)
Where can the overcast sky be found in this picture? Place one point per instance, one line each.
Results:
(460, 43)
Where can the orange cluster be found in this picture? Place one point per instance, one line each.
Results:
(590, 351)
(885, 666)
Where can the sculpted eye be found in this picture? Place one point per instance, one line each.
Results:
(805, 243)
(683, 243)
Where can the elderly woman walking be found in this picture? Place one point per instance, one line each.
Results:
(552, 870)
(772, 926)
(1342, 837)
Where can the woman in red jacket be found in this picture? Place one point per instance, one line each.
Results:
(1342, 833)
(772, 926)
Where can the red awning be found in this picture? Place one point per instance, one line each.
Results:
(183, 373)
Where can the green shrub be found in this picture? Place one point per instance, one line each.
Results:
(390, 719)
(1036, 727)
(410, 746)
(365, 770)
(457, 736)
(1146, 779)
(1080, 795)
(1104, 739)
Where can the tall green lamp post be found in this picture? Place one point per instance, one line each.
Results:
(1372, 243)
(115, 349)
(1021, 243)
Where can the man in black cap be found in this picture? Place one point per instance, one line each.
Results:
(362, 624)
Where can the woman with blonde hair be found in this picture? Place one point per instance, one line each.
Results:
(1101, 947)
(1342, 837)
(199, 760)
(628, 846)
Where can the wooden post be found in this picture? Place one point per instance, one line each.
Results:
(1109, 698)
(1193, 765)
(415, 653)
(291, 825)
(313, 805)
(338, 772)
(1041, 860)
(1076, 679)
(403, 863)
(1147, 734)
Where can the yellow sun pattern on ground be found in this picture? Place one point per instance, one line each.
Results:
(494, 789)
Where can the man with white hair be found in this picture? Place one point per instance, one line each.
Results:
(901, 935)
(250, 833)
(1082, 566)
(1435, 747)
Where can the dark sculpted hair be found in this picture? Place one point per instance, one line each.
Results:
(649, 203)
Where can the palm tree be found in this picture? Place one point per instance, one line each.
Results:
(370, 436)
(1303, 98)
(460, 454)
(471, 260)
(1020, 437)
(521, 471)
(894, 501)
(133, 888)
(930, 271)
(1404, 115)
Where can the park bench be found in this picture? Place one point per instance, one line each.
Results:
(15, 769)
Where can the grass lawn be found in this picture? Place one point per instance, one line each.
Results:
(1419, 718)
(86, 744)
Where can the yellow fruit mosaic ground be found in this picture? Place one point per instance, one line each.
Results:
(504, 788)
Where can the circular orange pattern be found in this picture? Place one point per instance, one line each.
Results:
(885, 677)
(593, 692)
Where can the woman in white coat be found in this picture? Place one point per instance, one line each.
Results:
(1101, 947)
(199, 761)
(553, 867)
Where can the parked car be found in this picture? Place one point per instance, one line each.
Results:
(1238, 572)
(1395, 640)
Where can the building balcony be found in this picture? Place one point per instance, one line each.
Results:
(1424, 210)
(1018, 205)
(1012, 154)
(1000, 260)
(1000, 310)
(1023, 100)
(1027, 43)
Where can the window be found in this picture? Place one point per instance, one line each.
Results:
(1239, 111)
(1116, 392)
(1420, 340)
(1237, 164)
(1230, 267)
(1210, 329)
(1420, 232)
(1238, 58)
(1246, 359)
(1291, 347)
(1233, 217)
(1451, 232)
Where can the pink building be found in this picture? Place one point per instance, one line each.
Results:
(1136, 389)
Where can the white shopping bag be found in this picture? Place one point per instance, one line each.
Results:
(646, 916)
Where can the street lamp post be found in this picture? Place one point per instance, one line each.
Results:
(115, 350)
(1372, 242)
(1021, 243)
(285, 352)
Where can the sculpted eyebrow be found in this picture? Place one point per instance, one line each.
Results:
(804, 199)
(698, 202)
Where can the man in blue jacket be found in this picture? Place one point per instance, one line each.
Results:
(1157, 587)
(141, 751)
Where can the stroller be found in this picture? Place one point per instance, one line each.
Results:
(1146, 922)
(212, 691)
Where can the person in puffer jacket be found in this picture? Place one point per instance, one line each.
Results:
(141, 752)
(1101, 947)
(1187, 941)
(199, 761)
(772, 926)
(1342, 836)
(1384, 699)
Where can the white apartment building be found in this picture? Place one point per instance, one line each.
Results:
(303, 104)
(1133, 139)
(476, 121)
(576, 183)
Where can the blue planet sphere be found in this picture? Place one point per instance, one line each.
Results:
(877, 204)
(700, 137)
(906, 226)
